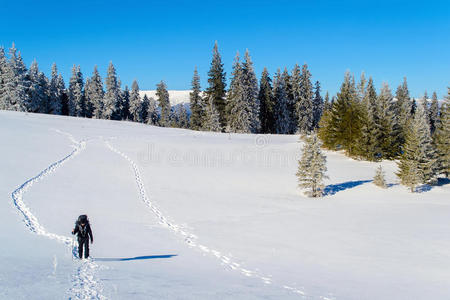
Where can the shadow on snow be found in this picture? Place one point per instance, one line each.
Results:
(334, 188)
(134, 258)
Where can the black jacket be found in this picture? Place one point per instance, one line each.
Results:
(83, 232)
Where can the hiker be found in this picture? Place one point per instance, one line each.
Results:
(84, 232)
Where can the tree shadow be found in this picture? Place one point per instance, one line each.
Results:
(442, 181)
(134, 258)
(334, 188)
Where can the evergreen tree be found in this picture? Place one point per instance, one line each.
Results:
(343, 129)
(368, 144)
(152, 114)
(326, 102)
(125, 111)
(267, 103)
(216, 89)
(413, 106)
(94, 95)
(38, 90)
(112, 99)
(386, 124)
(56, 91)
(15, 83)
(212, 121)
(76, 94)
(305, 104)
(379, 179)
(312, 167)
(418, 162)
(282, 120)
(250, 85)
(143, 112)
(433, 112)
(196, 103)
(294, 97)
(183, 118)
(135, 102)
(238, 110)
(3, 74)
(164, 103)
(402, 111)
(362, 87)
(317, 106)
(441, 138)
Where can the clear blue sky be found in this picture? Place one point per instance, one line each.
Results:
(154, 40)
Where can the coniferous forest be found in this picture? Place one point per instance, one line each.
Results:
(358, 120)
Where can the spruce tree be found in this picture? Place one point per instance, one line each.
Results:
(250, 85)
(402, 111)
(317, 106)
(38, 90)
(326, 102)
(305, 103)
(143, 112)
(135, 102)
(312, 167)
(386, 124)
(15, 83)
(112, 98)
(237, 107)
(183, 118)
(418, 161)
(216, 89)
(164, 103)
(56, 91)
(433, 112)
(3, 74)
(196, 103)
(125, 111)
(212, 121)
(152, 114)
(267, 103)
(441, 138)
(75, 93)
(379, 179)
(282, 120)
(94, 95)
(294, 97)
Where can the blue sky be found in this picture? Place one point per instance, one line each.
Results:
(155, 40)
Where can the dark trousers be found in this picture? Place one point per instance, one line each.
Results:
(83, 242)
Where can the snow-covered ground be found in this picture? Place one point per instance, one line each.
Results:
(178, 214)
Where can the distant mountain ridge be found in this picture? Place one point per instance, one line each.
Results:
(175, 96)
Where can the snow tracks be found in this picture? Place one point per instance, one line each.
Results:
(84, 282)
(189, 238)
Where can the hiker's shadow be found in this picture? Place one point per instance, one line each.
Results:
(334, 188)
(134, 258)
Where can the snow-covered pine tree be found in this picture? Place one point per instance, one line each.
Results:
(441, 138)
(418, 161)
(317, 106)
(94, 95)
(143, 112)
(164, 103)
(38, 90)
(212, 121)
(305, 103)
(216, 90)
(386, 124)
(267, 103)
(3, 73)
(76, 94)
(237, 108)
(294, 98)
(433, 112)
(326, 102)
(312, 167)
(135, 102)
(362, 87)
(196, 103)
(183, 118)
(125, 111)
(379, 179)
(250, 84)
(281, 104)
(368, 144)
(112, 98)
(56, 91)
(153, 118)
(15, 83)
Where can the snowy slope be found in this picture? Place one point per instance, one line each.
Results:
(179, 214)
